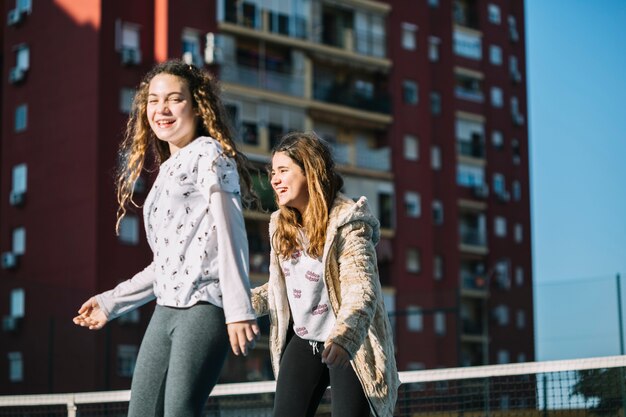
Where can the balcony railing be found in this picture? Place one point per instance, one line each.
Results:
(469, 94)
(474, 150)
(473, 237)
(471, 281)
(362, 157)
(337, 94)
(270, 80)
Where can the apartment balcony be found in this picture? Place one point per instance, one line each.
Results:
(314, 26)
(473, 284)
(469, 94)
(472, 327)
(468, 43)
(473, 237)
(472, 149)
(347, 96)
(278, 82)
(465, 13)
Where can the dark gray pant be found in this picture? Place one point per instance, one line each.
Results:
(303, 379)
(180, 359)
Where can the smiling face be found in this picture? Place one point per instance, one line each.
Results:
(289, 182)
(170, 111)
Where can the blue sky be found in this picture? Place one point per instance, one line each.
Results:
(576, 73)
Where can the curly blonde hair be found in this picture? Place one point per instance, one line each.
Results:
(313, 156)
(139, 138)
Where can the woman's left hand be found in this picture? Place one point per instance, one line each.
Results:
(243, 336)
(334, 356)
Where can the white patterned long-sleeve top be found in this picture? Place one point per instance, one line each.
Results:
(195, 228)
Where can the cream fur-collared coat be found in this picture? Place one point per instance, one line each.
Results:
(351, 274)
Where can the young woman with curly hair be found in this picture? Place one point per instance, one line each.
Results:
(195, 228)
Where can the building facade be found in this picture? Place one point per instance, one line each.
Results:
(422, 103)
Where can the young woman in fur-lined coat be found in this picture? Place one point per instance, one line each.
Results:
(328, 320)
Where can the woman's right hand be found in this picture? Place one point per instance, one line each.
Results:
(91, 315)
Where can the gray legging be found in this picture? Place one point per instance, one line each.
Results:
(180, 359)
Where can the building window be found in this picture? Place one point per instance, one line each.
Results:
(19, 241)
(438, 268)
(498, 184)
(129, 230)
(521, 358)
(410, 92)
(433, 3)
(502, 277)
(497, 139)
(519, 276)
(497, 99)
(433, 48)
(435, 158)
(499, 226)
(413, 262)
(192, 52)
(495, 55)
(370, 34)
(22, 55)
(468, 86)
(385, 209)
(24, 6)
(17, 307)
(435, 103)
(126, 99)
(517, 190)
(16, 366)
(519, 234)
(501, 315)
(411, 148)
(515, 150)
(437, 212)
(21, 117)
(493, 11)
(517, 117)
(412, 204)
(470, 175)
(22, 64)
(513, 34)
(439, 319)
(250, 133)
(514, 71)
(126, 359)
(409, 36)
(467, 45)
(20, 174)
(521, 319)
(503, 356)
(127, 42)
(414, 318)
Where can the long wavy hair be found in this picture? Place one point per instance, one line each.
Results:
(139, 138)
(313, 156)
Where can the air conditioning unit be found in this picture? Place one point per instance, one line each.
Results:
(9, 260)
(16, 75)
(14, 17)
(17, 198)
(10, 323)
(481, 191)
(131, 56)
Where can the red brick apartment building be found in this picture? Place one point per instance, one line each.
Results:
(423, 102)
